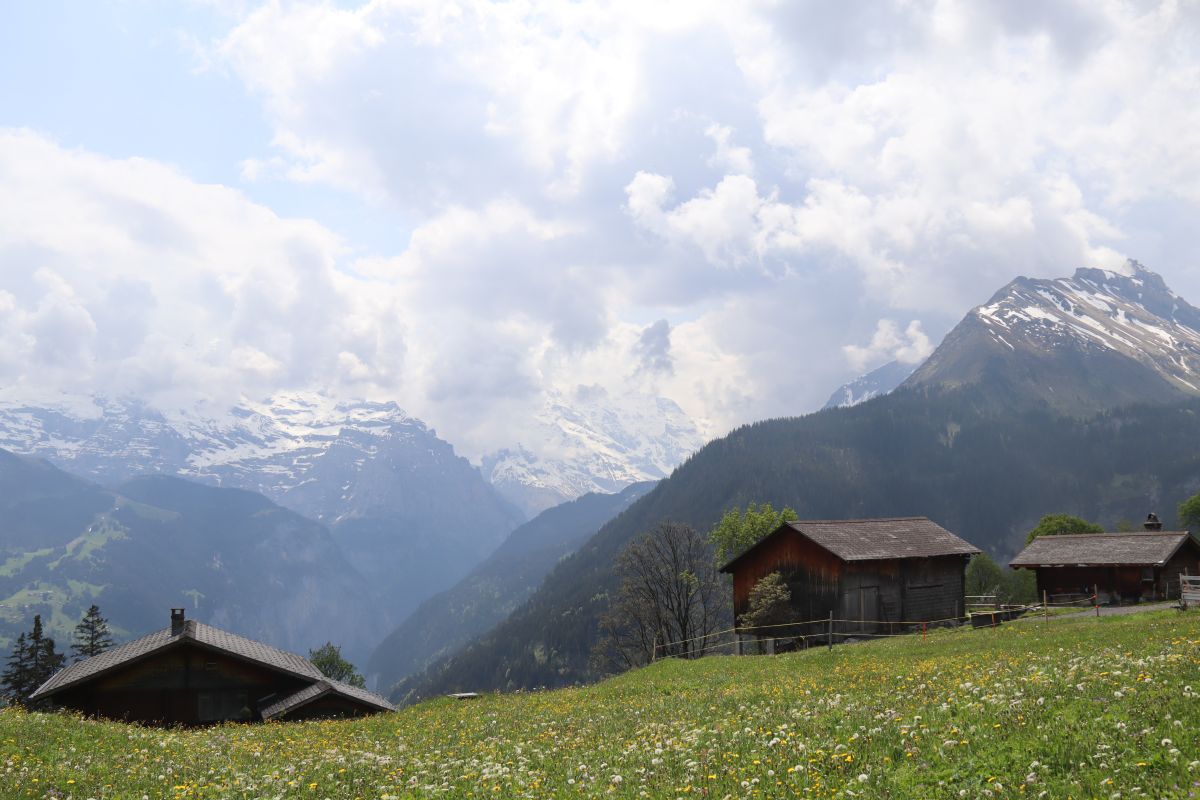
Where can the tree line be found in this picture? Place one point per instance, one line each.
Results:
(35, 657)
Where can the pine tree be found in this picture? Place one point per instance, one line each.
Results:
(43, 659)
(91, 635)
(15, 682)
(31, 663)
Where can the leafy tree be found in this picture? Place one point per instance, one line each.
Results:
(1058, 524)
(1189, 513)
(328, 659)
(1011, 586)
(770, 603)
(670, 601)
(1020, 586)
(91, 635)
(33, 660)
(984, 576)
(738, 529)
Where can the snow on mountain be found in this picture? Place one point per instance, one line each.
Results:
(280, 447)
(331, 459)
(1125, 333)
(592, 442)
(875, 383)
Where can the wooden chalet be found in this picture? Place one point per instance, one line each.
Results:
(870, 575)
(1122, 567)
(195, 674)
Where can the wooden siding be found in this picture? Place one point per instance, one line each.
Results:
(812, 573)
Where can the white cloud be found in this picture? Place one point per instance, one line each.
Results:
(760, 188)
(889, 343)
(123, 276)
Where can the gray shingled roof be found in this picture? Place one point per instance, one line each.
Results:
(197, 632)
(321, 688)
(1101, 549)
(873, 539)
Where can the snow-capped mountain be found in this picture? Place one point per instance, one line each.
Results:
(324, 458)
(591, 441)
(877, 382)
(1099, 338)
(408, 514)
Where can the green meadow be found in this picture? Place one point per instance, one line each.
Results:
(1061, 708)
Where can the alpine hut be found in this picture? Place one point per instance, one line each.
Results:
(857, 576)
(194, 674)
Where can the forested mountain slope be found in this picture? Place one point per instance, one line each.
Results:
(449, 619)
(982, 470)
(231, 557)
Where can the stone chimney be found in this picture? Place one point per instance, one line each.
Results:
(1152, 523)
(176, 621)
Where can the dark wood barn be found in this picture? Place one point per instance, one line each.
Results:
(872, 575)
(1125, 567)
(195, 674)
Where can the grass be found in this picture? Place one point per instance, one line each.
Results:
(1067, 708)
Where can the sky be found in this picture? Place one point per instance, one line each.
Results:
(468, 207)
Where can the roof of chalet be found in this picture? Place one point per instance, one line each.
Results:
(1148, 549)
(195, 632)
(871, 539)
(320, 689)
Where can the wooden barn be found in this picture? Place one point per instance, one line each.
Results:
(195, 674)
(1124, 567)
(871, 575)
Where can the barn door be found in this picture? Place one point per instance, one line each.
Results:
(868, 608)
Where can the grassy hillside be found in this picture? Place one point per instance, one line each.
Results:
(1065, 708)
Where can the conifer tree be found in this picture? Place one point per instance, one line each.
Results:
(32, 662)
(14, 683)
(91, 635)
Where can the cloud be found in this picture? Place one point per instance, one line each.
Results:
(123, 276)
(653, 349)
(777, 185)
(889, 343)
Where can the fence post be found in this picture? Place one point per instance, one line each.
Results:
(830, 634)
(922, 631)
(654, 649)
(1096, 598)
(1045, 604)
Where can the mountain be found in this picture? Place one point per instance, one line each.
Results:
(449, 619)
(875, 383)
(232, 557)
(590, 441)
(409, 514)
(982, 439)
(1099, 339)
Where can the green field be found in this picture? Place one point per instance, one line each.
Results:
(1065, 708)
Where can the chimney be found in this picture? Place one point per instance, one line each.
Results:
(176, 621)
(1152, 523)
